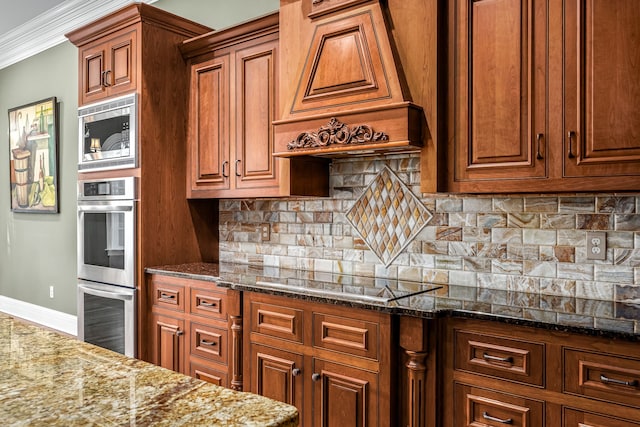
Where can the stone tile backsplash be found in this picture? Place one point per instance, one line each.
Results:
(532, 243)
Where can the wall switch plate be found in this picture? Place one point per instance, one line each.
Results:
(265, 231)
(596, 245)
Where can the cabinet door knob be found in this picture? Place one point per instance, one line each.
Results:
(608, 380)
(179, 333)
(105, 78)
(538, 143)
(315, 376)
(488, 357)
(570, 136)
(486, 416)
(295, 372)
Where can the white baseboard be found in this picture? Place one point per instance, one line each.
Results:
(58, 320)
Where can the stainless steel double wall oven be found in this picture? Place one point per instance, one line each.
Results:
(106, 263)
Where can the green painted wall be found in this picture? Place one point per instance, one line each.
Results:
(40, 249)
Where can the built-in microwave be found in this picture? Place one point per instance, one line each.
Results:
(107, 134)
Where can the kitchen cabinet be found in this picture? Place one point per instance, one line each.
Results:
(540, 100)
(573, 418)
(498, 374)
(139, 45)
(118, 52)
(333, 364)
(233, 101)
(196, 329)
(108, 68)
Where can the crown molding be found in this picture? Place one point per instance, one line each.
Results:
(48, 29)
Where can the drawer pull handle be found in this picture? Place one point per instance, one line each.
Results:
(208, 304)
(167, 296)
(491, 358)
(608, 380)
(538, 141)
(570, 136)
(208, 343)
(486, 416)
(295, 372)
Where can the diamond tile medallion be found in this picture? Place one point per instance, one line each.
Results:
(388, 216)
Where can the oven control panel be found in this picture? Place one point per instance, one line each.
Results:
(107, 189)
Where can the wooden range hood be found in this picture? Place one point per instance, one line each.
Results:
(350, 96)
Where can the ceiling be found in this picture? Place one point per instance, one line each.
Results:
(15, 14)
(29, 27)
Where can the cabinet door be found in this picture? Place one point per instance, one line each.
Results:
(121, 70)
(255, 91)
(209, 126)
(277, 374)
(602, 65)
(575, 418)
(343, 395)
(93, 64)
(498, 84)
(108, 67)
(168, 342)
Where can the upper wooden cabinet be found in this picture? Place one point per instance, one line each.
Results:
(602, 85)
(234, 82)
(108, 68)
(348, 93)
(112, 49)
(540, 101)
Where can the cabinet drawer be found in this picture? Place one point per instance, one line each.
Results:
(502, 357)
(347, 335)
(277, 321)
(602, 376)
(575, 418)
(208, 373)
(482, 407)
(209, 342)
(168, 296)
(208, 303)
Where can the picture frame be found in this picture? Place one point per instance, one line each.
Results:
(33, 157)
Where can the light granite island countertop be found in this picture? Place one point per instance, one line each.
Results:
(48, 379)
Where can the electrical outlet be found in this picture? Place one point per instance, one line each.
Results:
(596, 245)
(50, 291)
(265, 231)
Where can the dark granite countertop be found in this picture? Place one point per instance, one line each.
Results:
(428, 300)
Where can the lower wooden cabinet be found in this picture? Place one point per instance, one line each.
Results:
(577, 418)
(497, 374)
(168, 342)
(332, 363)
(195, 328)
(344, 396)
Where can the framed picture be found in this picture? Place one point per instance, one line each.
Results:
(33, 154)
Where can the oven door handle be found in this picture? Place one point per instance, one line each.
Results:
(105, 208)
(105, 294)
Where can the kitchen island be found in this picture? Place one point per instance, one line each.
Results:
(50, 379)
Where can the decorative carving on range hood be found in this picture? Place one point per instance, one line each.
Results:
(350, 75)
(336, 132)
